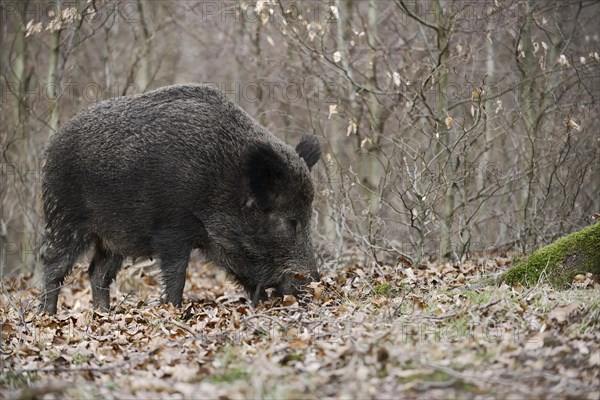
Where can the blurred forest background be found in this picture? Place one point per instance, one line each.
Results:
(448, 127)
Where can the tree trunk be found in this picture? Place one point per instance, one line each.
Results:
(529, 120)
(447, 166)
(144, 75)
(23, 183)
(53, 81)
(372, 170)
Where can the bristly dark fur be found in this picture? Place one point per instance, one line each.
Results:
(178, 168)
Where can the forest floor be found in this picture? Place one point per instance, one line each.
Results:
(365, 331)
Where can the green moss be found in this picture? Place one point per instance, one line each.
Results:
(478, 296)
(434, 376)
(573, 254)
(383, 289)
(229, 375)
(81, 358)
(229, 366)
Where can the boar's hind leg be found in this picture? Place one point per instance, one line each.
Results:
(58, 262)
(103, 270)
(173, 265)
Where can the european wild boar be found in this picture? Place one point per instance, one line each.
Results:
(162, 173)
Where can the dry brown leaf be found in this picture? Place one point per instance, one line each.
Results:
(564, 313)
(289, 300)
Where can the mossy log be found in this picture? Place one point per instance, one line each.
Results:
(559, 262)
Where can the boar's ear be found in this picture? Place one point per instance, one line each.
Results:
(309, 150)
(265, 173)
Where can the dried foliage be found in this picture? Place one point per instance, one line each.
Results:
(365, 331)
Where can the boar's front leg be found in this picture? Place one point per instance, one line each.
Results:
(258, 294)
(173, 265)
(103, 270)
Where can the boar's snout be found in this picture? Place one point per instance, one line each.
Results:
(295, 283)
